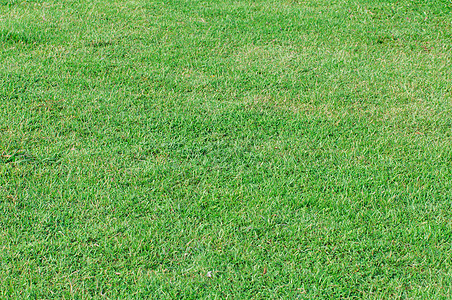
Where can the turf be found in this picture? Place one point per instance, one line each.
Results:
(225, 149)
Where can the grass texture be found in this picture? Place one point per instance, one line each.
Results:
(219, 149)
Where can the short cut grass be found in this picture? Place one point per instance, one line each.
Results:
(225, 149)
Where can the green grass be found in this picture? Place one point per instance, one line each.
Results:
(225, 149)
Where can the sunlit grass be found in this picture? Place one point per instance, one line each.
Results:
(225, 149)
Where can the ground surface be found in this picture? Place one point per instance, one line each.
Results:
(225, 149)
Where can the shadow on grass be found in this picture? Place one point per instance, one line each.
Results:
(24, 35)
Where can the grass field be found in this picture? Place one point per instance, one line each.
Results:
(219, 149)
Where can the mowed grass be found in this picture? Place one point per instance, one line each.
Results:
(225, 149)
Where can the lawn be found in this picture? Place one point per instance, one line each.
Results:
(220, 149)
